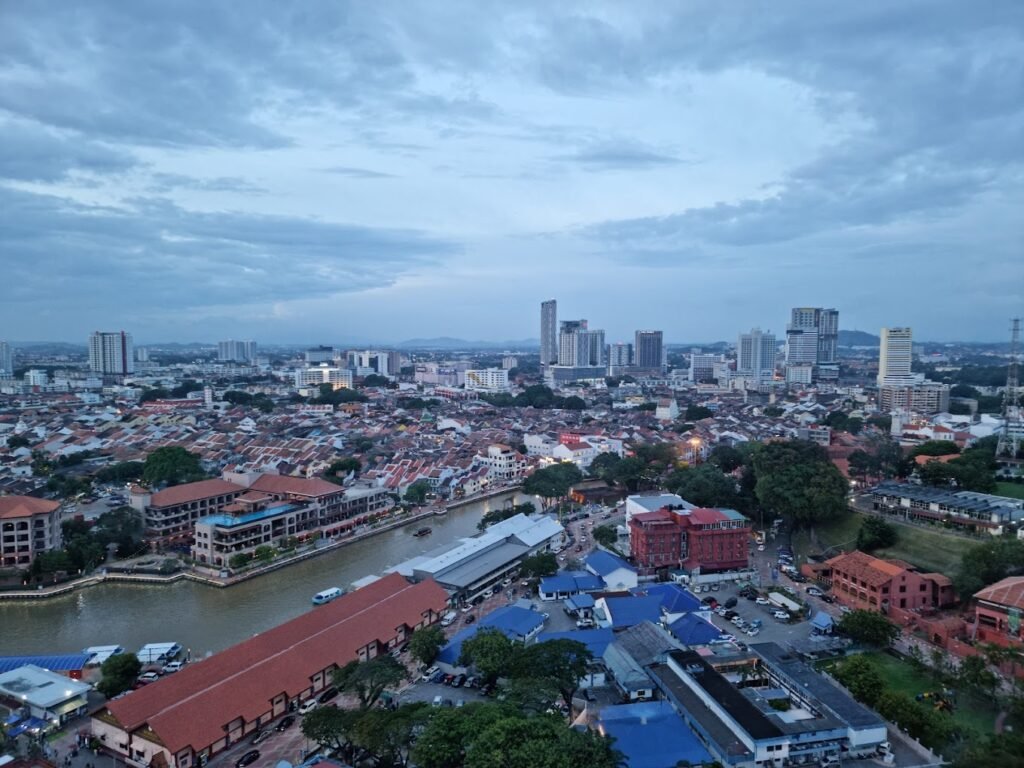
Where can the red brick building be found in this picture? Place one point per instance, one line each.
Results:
(870, 583)
(707, 539)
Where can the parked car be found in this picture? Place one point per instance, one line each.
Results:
(714, 587)
(260, 736)
(827, 598)
(763, 601)
(286, 722)
(760, 547)
(437, 700)
(447, 679)
(754, 631)
(327, 695)
(470, 618)
(149, 677)
(308, 706)
(459, 681)
(248, 758)
(428, 673)
(173, 666)
(814, 592)
(437, 677)
(729, 615)
(708, 600)
(780, 615)
(731, 602)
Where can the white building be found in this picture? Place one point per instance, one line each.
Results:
(373, 361)
(36, 378)
(487, 380)
(667, 410)
(503, 462)
(702, 367)
(236, 351)
(45, 695)
(111, 354)
(6, 359)
(340, 378)
(895, 356)
(548, 332)
(755, 355)
(508, 362)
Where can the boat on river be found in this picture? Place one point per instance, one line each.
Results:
(320, 598)
(424, 531)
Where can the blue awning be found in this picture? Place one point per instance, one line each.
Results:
(12, 718)
(17, 731)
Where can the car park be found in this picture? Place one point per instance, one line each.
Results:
(248, 758)
(286, 722)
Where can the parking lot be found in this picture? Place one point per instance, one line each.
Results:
(772, 630)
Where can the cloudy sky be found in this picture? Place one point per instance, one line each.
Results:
(377, 171)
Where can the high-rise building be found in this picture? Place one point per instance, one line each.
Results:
(620, 355)
(321, 354)
(548, 332)
(702, 367)
(812, 341)
(6, 360)
(755, 355)
(236, 351)
(111, 354)
(487, 380)
(895, 356)
(572, 347)
(649, 349)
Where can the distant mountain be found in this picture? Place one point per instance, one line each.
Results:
(447, 342)
(858, 339)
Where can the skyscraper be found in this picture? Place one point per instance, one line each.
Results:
(548, 332)
(6, 359)
(812, 341)
(648, 349)
(895, 356)
(755, 354)
(571, 347)
(236, 351)
(620, 355)
(111, 354)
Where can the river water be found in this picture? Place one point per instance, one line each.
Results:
(207, 619)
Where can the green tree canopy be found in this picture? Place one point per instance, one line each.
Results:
(726, 457)
(862, 679)
(552, 482)
(557, 664)
(426, 643)
(698, 412)
(988, 563)
(490, 651)
(417, 492)
(171, 465)
(504, 513)
(935, 448)
(119, 673)
(369, 679)
(603, 466)
(606, 535)
(704, 485)
(868, 628)
(574, 403)
(797, 481)
(876, 533)
(539, 565)
(330, 726)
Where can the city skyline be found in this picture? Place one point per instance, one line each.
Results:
(659, 162)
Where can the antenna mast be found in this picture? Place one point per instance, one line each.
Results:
(1013, 427)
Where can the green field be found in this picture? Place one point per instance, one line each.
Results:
(1014, 490)
(930, 550)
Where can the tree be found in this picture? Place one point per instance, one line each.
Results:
(239, 560)
(539, 742)
(344, 467)
(606, 535)
(237, 397)
(552, 482)
(426, 643)
(876, 533)
(449, 732)
(935, 448)
(490, 651)
(574, 403)
(698, 412)
(171, 465)
(797, 481)
(862, 678)
(119, 674)
(558, 664)
(120, 472)
(988, 563)
(539, 565)
(417, 492)
(17, 441)
(705, 486)
(387, 736)
(973, 672)
(329, 726)
(376, 380)
(121, 526)
(868, 628)
(264, 553)
(369, 679)
(504, 513)
(726, 457)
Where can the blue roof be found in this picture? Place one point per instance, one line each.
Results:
(571, 581)
(580, 601)
(651, 735)
(597, 640)
(63, 663)
(822, 620)
(514, 621)
(628, 611)
(603, 563)
(674, 598)
(691, 629)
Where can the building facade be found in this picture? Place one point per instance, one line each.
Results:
(755, 355)
(697, 539)
(649, 352)
(997, 613)
(6, 360)
(977, 512)
(868, 583)
(487, 380)
(548, 332)
(111, 354)
(812, 341)
(236, 351)
(895, 356)
(339, 378)
(28, 526)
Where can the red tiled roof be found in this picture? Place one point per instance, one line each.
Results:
(191, 707)
(25, 506)
(300, 486)
(204, 489)
(872, 570)
(1008, 592)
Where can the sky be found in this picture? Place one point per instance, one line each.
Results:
(328, 171)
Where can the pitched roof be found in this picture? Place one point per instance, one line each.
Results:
(301, 486)
(25, 506)
(203, 489)
(1008, 592)
(191, 707)
(872, 570)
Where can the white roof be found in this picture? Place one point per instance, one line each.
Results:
(654, 502)
(39, 687)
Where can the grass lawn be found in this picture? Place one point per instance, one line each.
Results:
(1015, 490)
(929, 549)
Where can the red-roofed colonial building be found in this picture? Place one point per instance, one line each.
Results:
(28, 526)
(706, 539)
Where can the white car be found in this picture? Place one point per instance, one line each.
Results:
(308, 706)
(149, 677)
(753, 631)
(760, 547)
(780, 615)
(173, 666)
(763, 601)
(428, 673)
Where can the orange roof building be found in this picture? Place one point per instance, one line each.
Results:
(28, 526)
(212, 703)
(862, 581)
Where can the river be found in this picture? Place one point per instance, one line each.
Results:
(207, 619)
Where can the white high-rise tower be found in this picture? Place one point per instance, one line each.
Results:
(548, 332)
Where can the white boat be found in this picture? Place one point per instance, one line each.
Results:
(327, 595)
(158, 653)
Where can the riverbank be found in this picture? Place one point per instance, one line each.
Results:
(211, 577)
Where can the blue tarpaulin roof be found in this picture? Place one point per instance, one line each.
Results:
(63, 663)
(651, 735)
(691, 629)
(571, 581)
(627, 611)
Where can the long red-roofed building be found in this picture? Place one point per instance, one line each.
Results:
(212, 704)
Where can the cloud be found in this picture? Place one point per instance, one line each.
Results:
(357, 173)
(615, 156)
(31, 152)
(168, 182)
